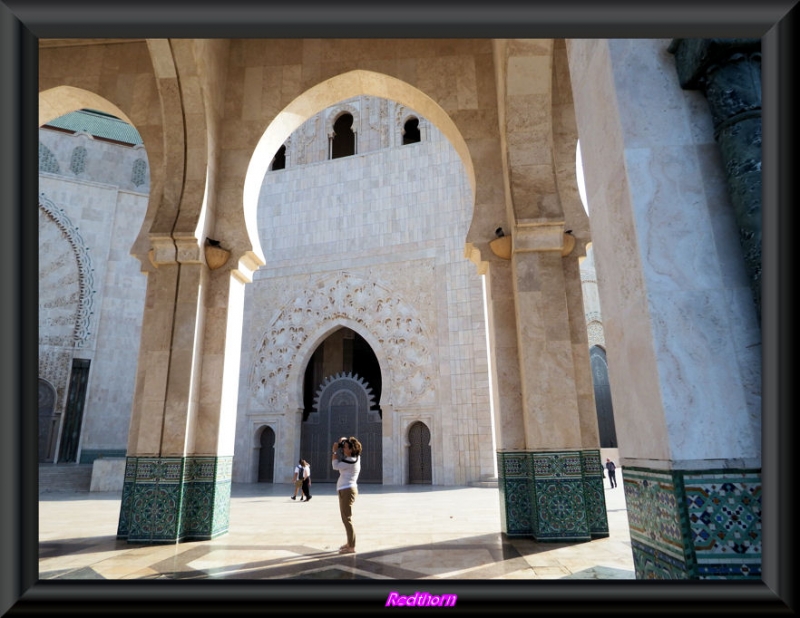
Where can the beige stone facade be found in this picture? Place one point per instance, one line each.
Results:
(679, 324)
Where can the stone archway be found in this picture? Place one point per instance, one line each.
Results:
(266, 456)
(48, 424)
(419, 454)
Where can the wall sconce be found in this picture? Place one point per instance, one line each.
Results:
(501, 246)
(216, 256)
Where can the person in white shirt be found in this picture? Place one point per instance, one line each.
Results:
(346, 459)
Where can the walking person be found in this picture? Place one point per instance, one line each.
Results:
(306, 482)
(612, 473)
(346, 459)
(297, 479)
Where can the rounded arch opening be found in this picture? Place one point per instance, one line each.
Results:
(324, 95)
(61, 100)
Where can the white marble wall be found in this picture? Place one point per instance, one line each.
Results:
(691, 397)
(384, 228)
(102, 216)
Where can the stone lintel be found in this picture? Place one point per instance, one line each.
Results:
(169, 250)
(163, 250)
(538, 235)
(189, 250)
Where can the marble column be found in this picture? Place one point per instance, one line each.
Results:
(728, 72)
(180, 447)
(552, 488)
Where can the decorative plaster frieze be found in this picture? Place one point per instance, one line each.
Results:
(83, 321)
(596, 335)
(342, 298)
(47, 160)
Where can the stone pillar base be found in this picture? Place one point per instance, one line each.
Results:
(553, 496)
(694, 524)
(175, 499)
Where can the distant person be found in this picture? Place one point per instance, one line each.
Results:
(306, 482)
(346, 459)
(297, 479)
(612, 473)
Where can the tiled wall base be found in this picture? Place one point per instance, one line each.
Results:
(694, 524)
(174, 499)
(89, 455)
(552, 496)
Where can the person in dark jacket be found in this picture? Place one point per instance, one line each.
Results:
(612, 473)
(306, 476)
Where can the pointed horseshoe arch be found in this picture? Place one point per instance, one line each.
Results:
(342, 407)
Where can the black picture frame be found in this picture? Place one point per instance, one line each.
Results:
(23, 22)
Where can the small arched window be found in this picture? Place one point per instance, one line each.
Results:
(343, 143)
(279, 160)
(411, 131)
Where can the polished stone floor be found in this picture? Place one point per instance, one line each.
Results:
(404, 533)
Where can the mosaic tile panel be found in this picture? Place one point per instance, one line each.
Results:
(515, 493)
(654, 520)
(724, 516)
(552, 496)
(165, 500)
(559, 497)
(207, 498)
(594, 493)
(694, 525)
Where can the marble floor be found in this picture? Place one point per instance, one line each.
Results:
(404, 533)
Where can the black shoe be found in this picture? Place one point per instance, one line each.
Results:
(309, 498)
(294, 497)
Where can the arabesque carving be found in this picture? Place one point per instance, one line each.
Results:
(393, 323)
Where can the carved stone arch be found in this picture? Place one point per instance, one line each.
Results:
(314, 340)
(402, 115)
(84, 319)
(341, 298)
(337, 111)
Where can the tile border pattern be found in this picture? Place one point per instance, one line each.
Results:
(702, 524)
(552, 496)
(175, 499)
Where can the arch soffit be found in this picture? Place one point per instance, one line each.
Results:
(329, 93)
(182, 205)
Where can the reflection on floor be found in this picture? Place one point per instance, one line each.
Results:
(404, 533)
